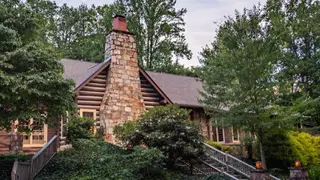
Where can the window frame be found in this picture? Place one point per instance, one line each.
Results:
(94, 111)
(31, 144)
(223, 135)
(238, 134)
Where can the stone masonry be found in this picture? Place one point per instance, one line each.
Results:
(123, 98)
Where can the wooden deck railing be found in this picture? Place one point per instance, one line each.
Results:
(231, 161)
(38, 161)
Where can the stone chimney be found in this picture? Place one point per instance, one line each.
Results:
(123, 98)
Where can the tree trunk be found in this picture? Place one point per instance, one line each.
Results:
(249, 149)
(15, 143)
(262, 156)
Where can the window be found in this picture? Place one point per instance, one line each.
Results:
(235, 134)
(89, 114)
(38, 137)
(218, 134)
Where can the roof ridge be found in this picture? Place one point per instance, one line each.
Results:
(175, 75)
(79, 60)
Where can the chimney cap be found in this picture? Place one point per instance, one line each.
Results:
(119, 23)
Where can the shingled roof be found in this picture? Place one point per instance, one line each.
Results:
(181, 90)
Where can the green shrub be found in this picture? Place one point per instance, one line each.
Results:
(217, 176)
(124, 131)
(305, 147)
(148, 163)
(220, 147)
(6, 164)
(314, 172)
(282, 149)
(168, 129)
(94, 159)
(79, 128)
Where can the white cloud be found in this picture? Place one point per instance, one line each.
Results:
(200, 18)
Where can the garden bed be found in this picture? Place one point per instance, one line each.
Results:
(94, 159)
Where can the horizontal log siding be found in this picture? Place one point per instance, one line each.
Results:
(150, 96)
(91, 95)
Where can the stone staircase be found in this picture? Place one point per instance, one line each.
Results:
(217, 161)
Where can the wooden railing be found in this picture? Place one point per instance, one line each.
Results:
(29, 170)
(20, 170)
(231, 161)
(42, 157)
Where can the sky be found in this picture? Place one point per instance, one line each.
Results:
(200, 27)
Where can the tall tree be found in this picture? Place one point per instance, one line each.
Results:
(159, 30)
(239, 74)
(79, 32)
(46, 12)
(31, 82)
(295, 25)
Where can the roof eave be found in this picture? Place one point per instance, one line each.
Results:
(155, 85)
(77, 89)
(190, 105)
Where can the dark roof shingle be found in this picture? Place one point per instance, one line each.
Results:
(78, 70)
(182, 90)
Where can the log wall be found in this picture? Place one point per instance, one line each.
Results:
(90, 96)
(150, 96)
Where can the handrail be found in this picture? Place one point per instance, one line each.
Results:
(221, 171)
(42, 157)
(232, 162)
(44, 147)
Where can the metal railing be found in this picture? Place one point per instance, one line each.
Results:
(29, 170)
(231, 162)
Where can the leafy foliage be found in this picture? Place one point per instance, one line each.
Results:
(103, 160)
(218, 176)
(220, 147)
(79, 32)
(305, 147)
(31, 79)
(122, 132)
(6, 162)
(293, 27)
(257, 73)
(168, 129)
(79, 128)
(238, 73)
(159, 29)
(314, 172)
(283, 148)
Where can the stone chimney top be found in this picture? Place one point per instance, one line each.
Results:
(119, 23)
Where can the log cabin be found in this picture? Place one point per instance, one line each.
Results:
(118, 89)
